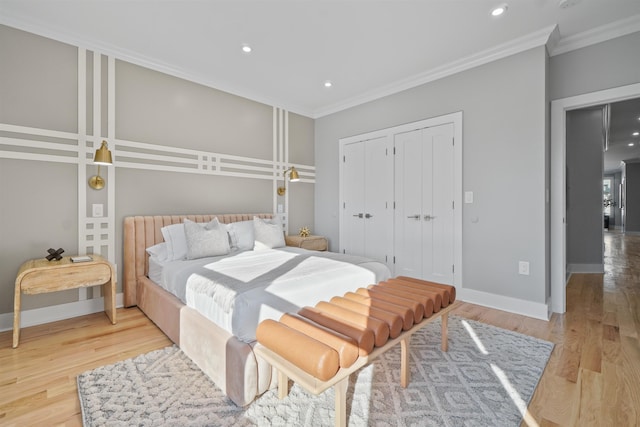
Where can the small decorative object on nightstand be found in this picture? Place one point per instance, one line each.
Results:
(38, 276)
(304, 232)
(53, 254)
(313, 243)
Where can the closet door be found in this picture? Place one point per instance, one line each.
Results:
(424, 222)
(353, 180)
(367, 192)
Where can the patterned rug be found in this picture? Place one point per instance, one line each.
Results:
(487, 378)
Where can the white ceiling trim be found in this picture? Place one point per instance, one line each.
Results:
(597, 35)
(538, 38)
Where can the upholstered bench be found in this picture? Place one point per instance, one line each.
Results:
(319, 347)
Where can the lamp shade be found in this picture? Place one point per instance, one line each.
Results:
(103, 155)
(293, 175)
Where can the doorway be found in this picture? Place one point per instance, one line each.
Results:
(558, 196)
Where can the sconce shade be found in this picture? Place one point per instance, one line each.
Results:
(293, 175)
(103, 155)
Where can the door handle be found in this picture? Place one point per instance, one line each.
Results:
(414, 216)
(429, 217)
(368, 216)
(359, 215)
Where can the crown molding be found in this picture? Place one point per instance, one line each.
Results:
(521, 44)
(597, 35)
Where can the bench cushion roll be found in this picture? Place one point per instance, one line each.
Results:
(363, 336)
(380, 328)
(414, 288)
(434, 300)
(405, 313)
(346, 347)
(449, 289)
(312, 356)
(414, 306)
(393, 320)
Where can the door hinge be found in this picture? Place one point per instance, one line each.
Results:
(453, 268)
(453, 204)
(394, 259)
(453, 141)
(344, 205)
(344, 251)
(344, 159)
(386, 258)
(394, 151)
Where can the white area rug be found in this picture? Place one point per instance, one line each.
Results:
(487, 378)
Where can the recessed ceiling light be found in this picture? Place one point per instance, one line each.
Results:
(631, 144)
(635, 133)
(246, 48)
(499, 10)
(328, 83)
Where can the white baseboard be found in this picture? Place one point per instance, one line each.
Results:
(585, 268)
(38, 316)
(501, 302)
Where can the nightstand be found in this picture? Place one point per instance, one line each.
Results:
(313, 243)
(39, 276)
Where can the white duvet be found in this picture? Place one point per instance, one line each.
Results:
(239, 291)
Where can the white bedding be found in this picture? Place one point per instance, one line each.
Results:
(240, 290)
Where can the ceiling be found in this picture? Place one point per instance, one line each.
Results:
(367, 48)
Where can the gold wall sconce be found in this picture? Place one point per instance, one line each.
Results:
(102, 157)
(293, 177)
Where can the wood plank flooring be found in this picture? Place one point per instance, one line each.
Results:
(592, 379)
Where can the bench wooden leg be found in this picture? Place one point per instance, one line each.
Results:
(283, 385)
(405, 370)
(341, 402)
(443, 333)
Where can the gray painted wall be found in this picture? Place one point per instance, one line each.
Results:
(39, 200)
(504, 156)
(597, 67)
(584, 186)
(632, 208)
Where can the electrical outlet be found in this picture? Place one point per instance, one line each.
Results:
(523, 268)
(98, 210)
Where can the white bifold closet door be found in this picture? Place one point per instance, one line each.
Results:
(424, 196)
(367, 191)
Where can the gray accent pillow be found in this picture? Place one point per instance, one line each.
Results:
(205, 240)
(241, 234)
(267, 234)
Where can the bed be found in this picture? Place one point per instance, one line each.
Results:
(221, 344)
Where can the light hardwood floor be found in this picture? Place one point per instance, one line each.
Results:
(592, 379)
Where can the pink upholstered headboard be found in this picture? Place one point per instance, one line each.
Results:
(141, 232)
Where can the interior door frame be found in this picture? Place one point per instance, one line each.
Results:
(558, 200)
(456, 120)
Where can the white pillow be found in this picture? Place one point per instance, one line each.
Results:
(206, 240)
(241, 234)
(159, 251)
(176, 241)
(267, 234)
